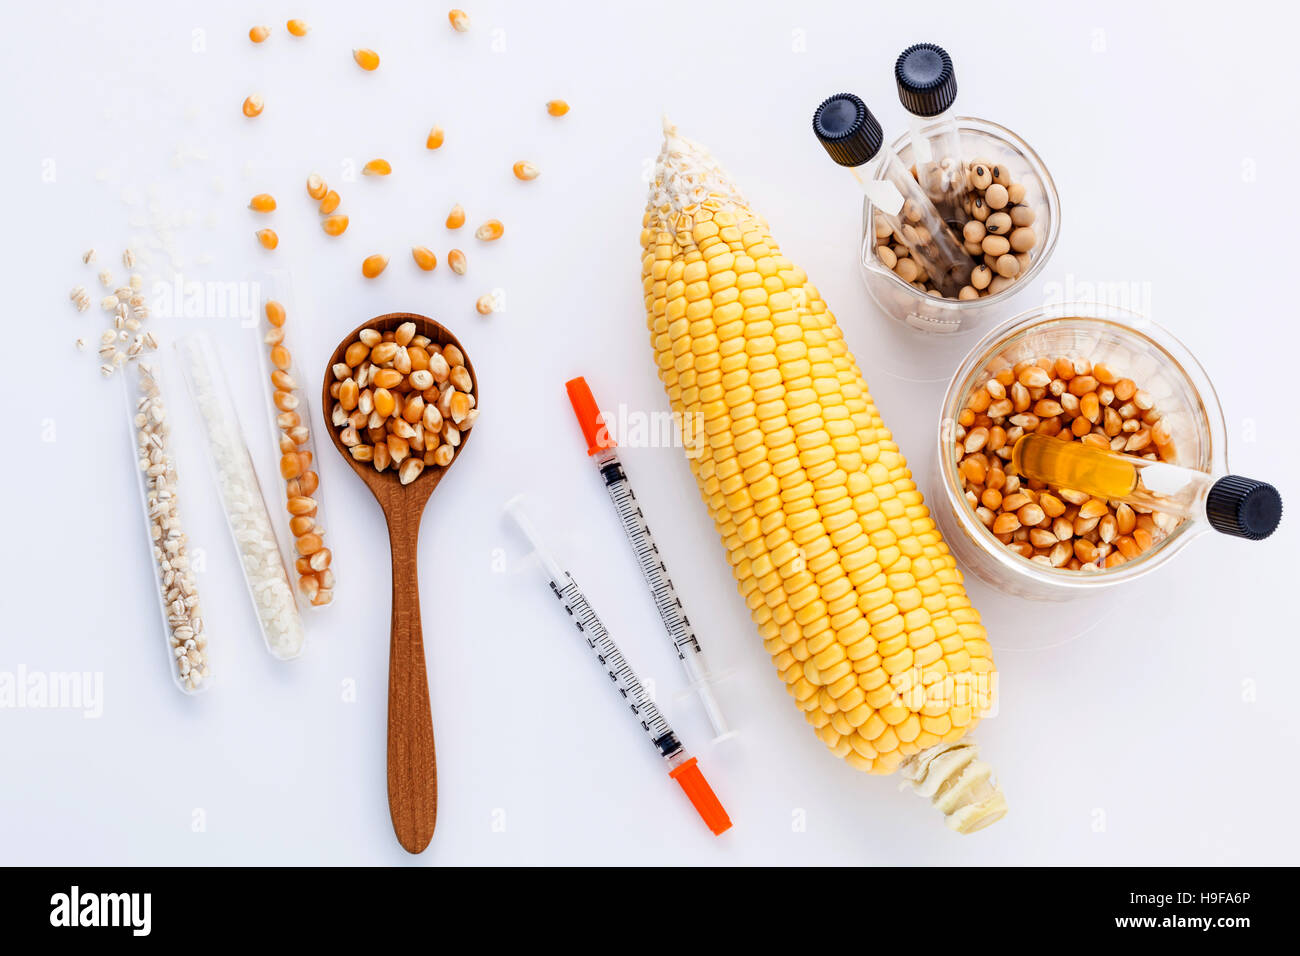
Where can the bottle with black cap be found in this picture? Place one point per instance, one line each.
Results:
(1230, 504)
(853, 138)
(927, 88)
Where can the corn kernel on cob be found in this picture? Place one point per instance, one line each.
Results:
(854, 592)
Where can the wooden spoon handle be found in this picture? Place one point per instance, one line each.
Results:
(412, 771)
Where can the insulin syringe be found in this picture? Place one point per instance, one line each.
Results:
(682, 767)
(601, 448)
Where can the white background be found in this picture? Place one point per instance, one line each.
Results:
(1157, 727)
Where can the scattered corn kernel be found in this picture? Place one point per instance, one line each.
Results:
(334, 225)
(485, 305)
(424, 258)
(253, 106)
(490, 230)
(373, 265)
(525, 170)
(329, 202)
(557, 107)
(259, 33)
(298, 28)
(377, 167)
(262, 202)
(456, 218)
(268, 238)
(316, 187)
(459, 20)
(434, 139)
(456, 261)
(366, 59)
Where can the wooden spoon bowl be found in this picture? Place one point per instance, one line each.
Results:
(412, 769)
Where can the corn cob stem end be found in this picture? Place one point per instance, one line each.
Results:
(957, 783)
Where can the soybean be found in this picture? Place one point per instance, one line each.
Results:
(999, 224)
(1022, 239)
(1023, 215)
(996, 245)
(1008, 265)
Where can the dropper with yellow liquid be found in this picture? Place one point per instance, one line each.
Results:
(1231, 504)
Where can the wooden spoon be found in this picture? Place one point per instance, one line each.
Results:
(412, 771)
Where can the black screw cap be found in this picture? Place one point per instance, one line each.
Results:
(927, 84)
(845, 126)
(1244, 507)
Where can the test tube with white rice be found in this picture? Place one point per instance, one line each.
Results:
(241, 498)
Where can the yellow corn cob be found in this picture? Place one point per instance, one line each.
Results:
(854, 593)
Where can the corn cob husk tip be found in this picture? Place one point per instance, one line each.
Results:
(957, 783)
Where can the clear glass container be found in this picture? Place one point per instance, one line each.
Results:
(251, 531)
(149, 401)
(1134, 347)
(277, 287)
(927, 313)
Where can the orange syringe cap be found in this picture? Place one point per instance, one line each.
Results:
(589, 417)
(706, 803)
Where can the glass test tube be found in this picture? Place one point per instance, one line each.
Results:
(927, 88)
(853, 138)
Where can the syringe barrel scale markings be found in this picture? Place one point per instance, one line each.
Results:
(600, 446)
(616, 666)
(634, 522)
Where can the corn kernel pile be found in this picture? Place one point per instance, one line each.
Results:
(1073, 400)
(401, 399)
